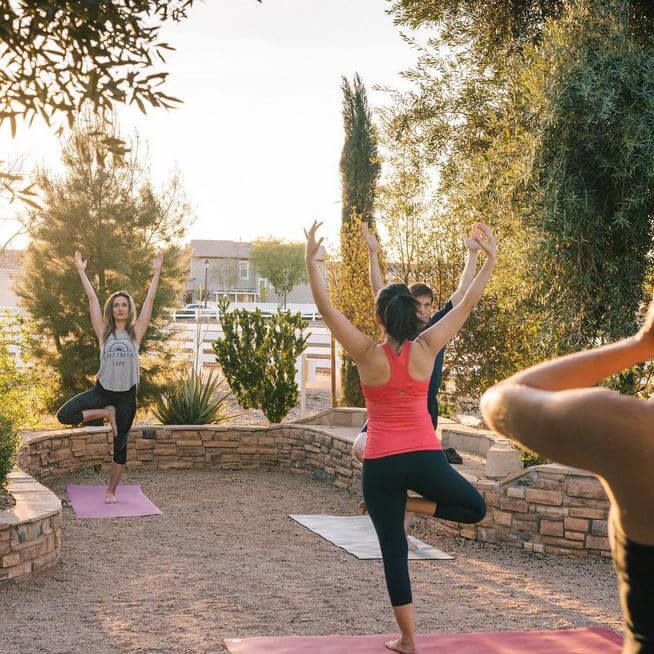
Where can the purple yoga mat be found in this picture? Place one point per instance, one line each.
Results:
(573, 641)
(88, 502)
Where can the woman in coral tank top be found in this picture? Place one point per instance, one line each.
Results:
(402, 451)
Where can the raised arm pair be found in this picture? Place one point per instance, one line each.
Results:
(357, 344)
(97, 320)
(376, 278)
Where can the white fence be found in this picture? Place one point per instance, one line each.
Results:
(210, 313)
(192, 342)
(192, 339)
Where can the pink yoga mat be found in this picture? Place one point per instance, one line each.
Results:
(573, 641)
(88, 502)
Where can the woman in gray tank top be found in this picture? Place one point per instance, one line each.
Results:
(113, 397)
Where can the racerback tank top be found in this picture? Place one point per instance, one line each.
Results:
(119, 362)
(398, 417)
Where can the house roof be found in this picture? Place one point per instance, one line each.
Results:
(228, 249)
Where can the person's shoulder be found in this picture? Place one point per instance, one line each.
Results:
(446, 308)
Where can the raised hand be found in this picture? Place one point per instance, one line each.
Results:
(486, 240)
(472, 242)
(157, 262)
(312, 245)
(369, 238)
(81, 265)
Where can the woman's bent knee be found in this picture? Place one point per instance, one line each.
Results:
(67, 417)
(478, 510)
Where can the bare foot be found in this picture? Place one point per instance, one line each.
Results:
(363, 508)
(111, 417)
(110, 498)
(401, 645)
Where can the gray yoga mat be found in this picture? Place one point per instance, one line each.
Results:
(356, 535)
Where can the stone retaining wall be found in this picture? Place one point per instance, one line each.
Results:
(551, 508)
(336, 417)
(47, 455)
(30, 532)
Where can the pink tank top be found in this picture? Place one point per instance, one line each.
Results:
(398, 418)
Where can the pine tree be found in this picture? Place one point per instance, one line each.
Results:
(360, 169)
(106, 208)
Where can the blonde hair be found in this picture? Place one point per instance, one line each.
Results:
(108, 315)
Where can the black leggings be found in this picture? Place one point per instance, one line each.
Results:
(385, 484)
(98, 398)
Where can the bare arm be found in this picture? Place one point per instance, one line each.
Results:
(376, 277)
(549, 409)
(473, 246)
(583, 369)
(146, 311)
(94, 305)
(356, 343)
(434, 338)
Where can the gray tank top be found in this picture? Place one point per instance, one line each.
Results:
(119, 362)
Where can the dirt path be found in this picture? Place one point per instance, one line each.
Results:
(225, 560)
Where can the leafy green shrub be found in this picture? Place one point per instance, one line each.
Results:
(9, 446)
(193, 401)
(18, 401)
(530, 459)
(258, 359)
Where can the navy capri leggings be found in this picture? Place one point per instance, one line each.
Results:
(385, 483)
(98, 398)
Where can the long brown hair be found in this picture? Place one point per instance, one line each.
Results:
(108, 315)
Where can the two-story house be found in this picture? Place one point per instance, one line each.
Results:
(228, 271)
(9, 268)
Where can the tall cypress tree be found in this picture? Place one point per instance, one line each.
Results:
(106, 208)
(360, 170)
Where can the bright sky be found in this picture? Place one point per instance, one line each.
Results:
(259, 136)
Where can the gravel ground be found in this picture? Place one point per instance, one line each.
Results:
(224, 560)
(317, 400)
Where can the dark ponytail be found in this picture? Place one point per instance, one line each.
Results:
(398, 312)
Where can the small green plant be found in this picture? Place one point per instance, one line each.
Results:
(9, 446)
(531, 459)
(18, 405)
(258, 358)
(193, 401)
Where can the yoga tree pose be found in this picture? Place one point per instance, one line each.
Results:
(113, 397)
(427, 317)
(554, 409)
(402, 451)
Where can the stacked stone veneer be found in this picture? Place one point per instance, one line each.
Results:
(30, 532)
(552, 509)
(51, 454)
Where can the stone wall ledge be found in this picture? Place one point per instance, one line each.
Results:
(560, 469)
(344, 416)
(30, 531)
(32, 437)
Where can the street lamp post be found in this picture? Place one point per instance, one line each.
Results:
(206, 273)
(286, 273)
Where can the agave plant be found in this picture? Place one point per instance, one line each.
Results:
(194, 401)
